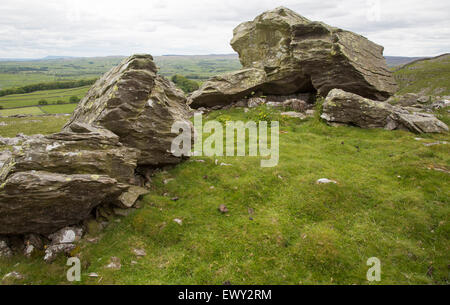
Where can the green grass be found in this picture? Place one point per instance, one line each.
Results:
(387, 204)
(26, 110)
(55, 109)
(428, 77)
(51, 96)
(30, 125)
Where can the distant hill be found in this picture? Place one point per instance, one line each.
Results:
(393, 61)
(429, 76)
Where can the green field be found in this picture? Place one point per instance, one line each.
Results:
(55, 109)
(26, 110)
(390, 202)
(428, 77)
(51, 96)
(31, 125)
(198, 68)
(20, 73)
(282, 228)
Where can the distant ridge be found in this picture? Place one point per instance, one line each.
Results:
(421, 59)
(395, 61)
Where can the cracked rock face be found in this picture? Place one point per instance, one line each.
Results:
(291, 54)
(50, 182)
(347, 108)
(139, 106)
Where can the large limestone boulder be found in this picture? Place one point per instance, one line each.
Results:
(285, 44)
(139, 106)
(299, 55)
(100, 157)
(221, 89)
(53, 181)
(88, 150)
(42, 202)
(342, 107)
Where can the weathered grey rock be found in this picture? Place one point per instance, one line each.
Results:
(14, 275)
(409, 100)
(325, 181)
(139, 252)
(81, 150)
(227, 88)
(139, 106)
(418, 122)
(296, 105)
(129, 198)
(310, 112)
(440, 104)
(50, 182)
(17, 140)
(298, 54)
(43, 202)
(67, 235)
(114, 263)
(51, 253)
(284, 53)
(347, 108)
(5, 250)
(255, 102)
(294, 114)
(4, 156)
(33, 242)
(54, 181)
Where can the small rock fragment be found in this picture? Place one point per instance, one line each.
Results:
(223, 209)
(294, 114)
(5, 250)
(29, 250)
(114, 263)
(52, 251)
(325, 181)
(166, 181)
(13, 275)
(66, 235)
(139, 252)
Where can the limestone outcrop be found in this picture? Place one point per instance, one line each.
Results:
(139, 106)
(342, 107)
(124, 123)
(292, 54)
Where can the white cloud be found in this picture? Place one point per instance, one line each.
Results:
(113, 27)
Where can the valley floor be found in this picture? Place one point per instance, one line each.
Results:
(282, 228)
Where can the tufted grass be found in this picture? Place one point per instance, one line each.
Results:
(387, 204)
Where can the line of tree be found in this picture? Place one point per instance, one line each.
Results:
(48, 86)
(184, 83)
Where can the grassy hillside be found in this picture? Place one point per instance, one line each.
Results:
(50, 96)
(282, 228)
(428, 76)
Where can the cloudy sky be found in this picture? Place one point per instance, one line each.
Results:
(33, 29)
